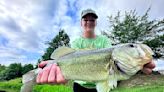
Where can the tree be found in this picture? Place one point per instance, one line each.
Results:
(2, 67)
(62, 39)
(133, 29)
(3, 75)
(26, 68)
(12, 71)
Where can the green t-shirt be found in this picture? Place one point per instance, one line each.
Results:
(98, 42)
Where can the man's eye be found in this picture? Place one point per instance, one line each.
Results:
(92, 20)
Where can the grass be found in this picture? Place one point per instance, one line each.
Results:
(138, 83)
(50, 88)
(140, 89)
(11, 86)
(15, 85)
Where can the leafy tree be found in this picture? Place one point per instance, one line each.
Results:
(132, 28)
(2, 75)
(2, 72)
(2, 67)
(26, 68)
(62, 39)
(14, 70)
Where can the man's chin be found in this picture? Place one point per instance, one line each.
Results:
(90, 30)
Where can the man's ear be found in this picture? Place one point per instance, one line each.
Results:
(81, 22)
(95, 22)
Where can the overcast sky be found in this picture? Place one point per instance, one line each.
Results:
(25, 25)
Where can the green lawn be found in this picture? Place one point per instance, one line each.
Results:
(139, 83)
(140, 89)
(11, 86)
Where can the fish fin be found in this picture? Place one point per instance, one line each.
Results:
(112, 80)
(109, 84)
(106, 86)
(29, 80)
(59, 52)
(103, 86)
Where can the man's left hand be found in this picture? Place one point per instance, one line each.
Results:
(148, 67)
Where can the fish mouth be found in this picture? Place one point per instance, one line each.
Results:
(146, 59)
(149, 54)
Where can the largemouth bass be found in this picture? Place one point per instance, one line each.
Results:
(104, 67)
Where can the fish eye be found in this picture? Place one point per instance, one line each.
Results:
(131, 45)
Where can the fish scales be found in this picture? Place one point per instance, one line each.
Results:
(104, 66)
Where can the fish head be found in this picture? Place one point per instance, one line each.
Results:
(132, 57)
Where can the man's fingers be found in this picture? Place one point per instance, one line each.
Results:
(147, 70)
(59, 76)
(150, 65)
(52, 74)
(42, 64)
(38, 78)
(46, 71)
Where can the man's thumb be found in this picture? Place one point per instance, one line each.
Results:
(42, 64)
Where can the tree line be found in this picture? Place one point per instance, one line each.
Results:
(14, 70)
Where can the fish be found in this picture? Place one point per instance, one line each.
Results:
(104, 67)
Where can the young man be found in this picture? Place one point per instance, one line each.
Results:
(89, 39)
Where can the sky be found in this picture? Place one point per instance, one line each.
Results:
(26, 25)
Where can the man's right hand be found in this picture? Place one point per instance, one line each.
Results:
(50, 74)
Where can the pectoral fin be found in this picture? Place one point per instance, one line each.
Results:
(110, 83)
(106, 86)
(103, 87)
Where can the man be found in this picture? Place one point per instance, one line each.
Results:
(89, 39)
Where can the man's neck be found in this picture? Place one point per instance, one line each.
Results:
(89, 35)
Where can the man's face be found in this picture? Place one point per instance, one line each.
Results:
(88, 23)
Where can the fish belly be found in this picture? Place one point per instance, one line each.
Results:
(86, 68)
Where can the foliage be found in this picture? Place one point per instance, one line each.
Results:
(2, 67)
(132, 28)
(62, 39)
(14, 70)
(26, 68)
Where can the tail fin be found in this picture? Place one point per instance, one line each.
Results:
(29, 80)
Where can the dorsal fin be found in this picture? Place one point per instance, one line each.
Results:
(59, 52)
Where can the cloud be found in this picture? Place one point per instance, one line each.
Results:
(25, 26)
